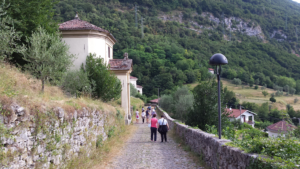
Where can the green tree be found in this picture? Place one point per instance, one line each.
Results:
(47, 56)
(29, 15)
(8, 35)
(237, 81)
(263, 111)
(205, 107)
(166, 102)
(133, 90)
(107, 85)
(265, 93)
(272, 99)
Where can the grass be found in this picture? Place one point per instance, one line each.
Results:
(25, 90)
(248, 94)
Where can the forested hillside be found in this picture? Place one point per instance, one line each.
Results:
(168, 52)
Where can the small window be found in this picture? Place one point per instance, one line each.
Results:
(108, 52)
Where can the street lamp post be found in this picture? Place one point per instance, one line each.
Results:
(218, 60)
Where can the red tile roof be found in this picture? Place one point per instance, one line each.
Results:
(131, 77)
(211, 69)
(120, 64)
(138, 86)
(235, 112)
(155, 100)
(281, 126)
(77, 24)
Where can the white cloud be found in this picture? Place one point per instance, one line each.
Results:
(297, 1)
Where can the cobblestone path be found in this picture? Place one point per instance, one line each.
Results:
(140, 153)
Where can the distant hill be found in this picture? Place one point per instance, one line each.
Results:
(259, 38)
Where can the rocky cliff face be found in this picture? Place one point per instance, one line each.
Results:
(48, 138)
(232, 24)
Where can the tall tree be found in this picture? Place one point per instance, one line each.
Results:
(8, 35)
(108, 86)
(28, 16)
(205, 107)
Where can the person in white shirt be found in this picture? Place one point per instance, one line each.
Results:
(143, 115)
(153, 112)
(163, 123)
(137, 115)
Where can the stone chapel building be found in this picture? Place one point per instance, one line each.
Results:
(84, 38)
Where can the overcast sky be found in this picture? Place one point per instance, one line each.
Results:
(297, 0)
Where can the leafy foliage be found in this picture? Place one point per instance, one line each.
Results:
(178, 103)
(205, 107)
(272, 99)
(47, 56)
(76, 81)
(8, 35)
(133, 90)
(107, 85)
(171, 54)
(237, 81)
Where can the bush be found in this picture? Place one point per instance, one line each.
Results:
(237, 81)
(107, 85)
(133, 90)
(77, 81)
(265, 93)
(262, 125)
(272, 99)
(166, 103)
(255, 87)
(296, 100)
(285, 151)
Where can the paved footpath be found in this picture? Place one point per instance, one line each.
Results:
(140, 153)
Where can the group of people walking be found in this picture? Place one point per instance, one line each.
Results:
(155, 125)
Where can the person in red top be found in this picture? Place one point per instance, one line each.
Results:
(153, 127)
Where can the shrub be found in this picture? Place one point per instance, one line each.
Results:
(237, 81)
(77, 81)
(107, 85)
(166, 103)
(265, 93)
(272, 99)
(133, 90)
(296, 100)
(262, 125)
(255, 87)
(285, 151)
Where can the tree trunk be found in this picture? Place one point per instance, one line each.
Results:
(43, 84)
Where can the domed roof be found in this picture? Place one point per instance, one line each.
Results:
(77, 24)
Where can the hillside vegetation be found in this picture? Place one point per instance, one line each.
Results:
(170, 52)
(24, 89)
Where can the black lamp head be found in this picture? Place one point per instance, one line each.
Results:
(218, 59)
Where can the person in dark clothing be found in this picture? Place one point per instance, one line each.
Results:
(147, 116)
(163, 123)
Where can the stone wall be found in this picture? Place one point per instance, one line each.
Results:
(48, 138)
(213, 150)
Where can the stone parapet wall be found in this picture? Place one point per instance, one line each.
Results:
(215, 153)
(49, 138)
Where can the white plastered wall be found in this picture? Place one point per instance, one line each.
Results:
(97, 46)
(78, 47)
(82, 43)
(133, 81)
(124, 77)
(140, 90)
